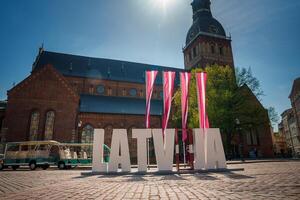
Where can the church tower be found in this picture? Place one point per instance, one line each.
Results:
(206, 41)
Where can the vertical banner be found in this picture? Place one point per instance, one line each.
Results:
(201, 79)
(150, 80)
(168, 84)
(185, 78)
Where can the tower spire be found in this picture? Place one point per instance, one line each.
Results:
(201, 8)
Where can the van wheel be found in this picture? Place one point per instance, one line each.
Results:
(1, 166)
(44, 167)
(61, 165)
(32, 165)
(15, 167)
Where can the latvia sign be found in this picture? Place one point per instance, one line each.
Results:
(207, 149)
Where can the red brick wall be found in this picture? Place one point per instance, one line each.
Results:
(43, 90)
(265, 146)
(89, 86)
(205, 57)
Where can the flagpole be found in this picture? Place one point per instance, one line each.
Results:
(184, 158)
(148, 153)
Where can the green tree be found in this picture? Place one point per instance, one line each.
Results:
(221, 92)
(228, 98)
(245, 76)
(273, 116)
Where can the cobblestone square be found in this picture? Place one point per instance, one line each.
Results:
(262, 180)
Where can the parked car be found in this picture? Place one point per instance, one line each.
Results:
(32, 154)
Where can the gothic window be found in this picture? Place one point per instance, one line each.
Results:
(248, 138)
(141, 93)
(91, 89)
(108, 130)
(109, 92)
(34, 126)
(221, 51)
(49, 125)
(87, 134)
(212, 48)
(194, 52)
(190, 56)
(124, 92)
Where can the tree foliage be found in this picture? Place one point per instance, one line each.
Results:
(228, 98)
(273, 115)
(245, 76)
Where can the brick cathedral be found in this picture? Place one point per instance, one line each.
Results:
(67, 96)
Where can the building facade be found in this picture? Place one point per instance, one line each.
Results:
(289, 127)
(279, 143)
(67, 96)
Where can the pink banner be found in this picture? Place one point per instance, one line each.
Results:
(201, 79)
(185, 78)
(168, 83)
(150, 80)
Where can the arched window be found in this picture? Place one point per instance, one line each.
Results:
(108, 131)
(34, 126)
(221, 50)
(49, 125)
(87, 134)
(212, 48)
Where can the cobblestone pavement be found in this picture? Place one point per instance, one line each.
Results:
(268, 180)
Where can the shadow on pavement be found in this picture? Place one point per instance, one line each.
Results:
(232, 175)
(206, 177)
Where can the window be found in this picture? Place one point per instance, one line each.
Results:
(34, 126)
(194, 52)
(124, 92)
(212, 49)
(190, 56)
(87, 134)
(49, 125)
(91, 89)
(100, 89)
(132, 92)
(252, 138)
(141, 93)
(109, 92)
(221, 51)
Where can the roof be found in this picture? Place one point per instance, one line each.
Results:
(295, 88)
(3, 105)
(99, 68)
(117, 105)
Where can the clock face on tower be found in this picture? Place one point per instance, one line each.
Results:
(213, 29)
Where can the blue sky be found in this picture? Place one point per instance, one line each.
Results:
(265, 35)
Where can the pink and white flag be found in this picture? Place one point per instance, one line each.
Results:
(168, 84)
(201, 79)
(185, 78)
(150, 80)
